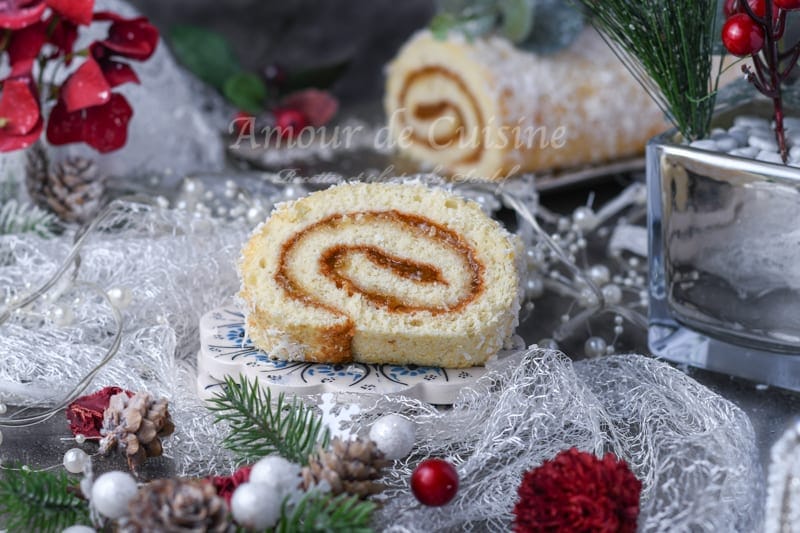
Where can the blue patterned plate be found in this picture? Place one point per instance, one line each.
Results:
(225, 351)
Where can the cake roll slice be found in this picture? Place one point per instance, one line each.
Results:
(484, 109)
(381, 273)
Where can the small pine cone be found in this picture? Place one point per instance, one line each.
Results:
(136, 425)
(71, 189)
(350, 467)
(173, 505)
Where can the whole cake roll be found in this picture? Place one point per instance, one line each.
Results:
(380, 273)
(485, 109)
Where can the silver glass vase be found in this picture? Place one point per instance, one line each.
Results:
(724, 262)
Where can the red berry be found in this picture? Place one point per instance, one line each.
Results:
(787, 4)
(732, 7)
(742, 36)
(289, 122)
(434, 482)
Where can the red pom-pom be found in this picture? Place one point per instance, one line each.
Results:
(577, 492)
(434, 482)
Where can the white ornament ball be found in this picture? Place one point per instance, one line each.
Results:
(75, 460)
(394, 435)
(111, 493)
(256, 506)
(79, 529)
(280, 474)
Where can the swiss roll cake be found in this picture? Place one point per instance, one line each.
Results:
(485, 109)
(381, 273)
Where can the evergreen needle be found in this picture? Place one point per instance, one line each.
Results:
(668, 46)
(40, 501)
(260, 427)
(321, 512)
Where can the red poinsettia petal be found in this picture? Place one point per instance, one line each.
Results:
(77, 11)
(19, 109)
(106, 126)
(134, 38)
(107, 15)
(117, 73)
(64, 127)
(18, 14)
(24, 47)
(318, 106)
(9, 143)
(63, 35)
(86, 87)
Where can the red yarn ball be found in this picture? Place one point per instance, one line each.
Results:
(578, 493)
(434, 482)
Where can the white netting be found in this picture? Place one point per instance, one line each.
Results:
(693, 450)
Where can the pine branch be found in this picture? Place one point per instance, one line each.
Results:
(321, 512)
(40, 501)
(669, 44)
(259, 428)
(17, 218)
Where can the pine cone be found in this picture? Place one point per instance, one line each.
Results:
(136, 425)
(71, 189)
(173, 505)
(349, 466)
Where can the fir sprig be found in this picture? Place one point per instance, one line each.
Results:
(40, 501)
(317, 512)
(18, 218)
(260, 427)
(668, 46)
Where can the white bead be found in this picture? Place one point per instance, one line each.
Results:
(120, 296)
(594, 346)
(255, 506)
(548, 344)
(111, 493)
(79, 529)
(618, 330)
(599, 274)
(394, 435)
(281, 475)
(612, 294)
(62, 316)
(80, 439)
(3, 408)
(588, 298)
(584, 218)
(534, 287)
(75, 460)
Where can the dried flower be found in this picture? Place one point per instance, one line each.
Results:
(226, 485)
(85, 414)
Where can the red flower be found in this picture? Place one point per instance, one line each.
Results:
(225, 485)
(115, 72)
(77, 11)
(63, 36)
(577, 492)
(86, 87)
(24, 47)
(85, 414)
(18, 14)
(20, 119)
(103, 127)
(134, 38)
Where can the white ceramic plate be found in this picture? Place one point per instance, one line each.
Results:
(225, 351)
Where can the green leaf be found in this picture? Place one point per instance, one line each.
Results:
(441, 24)
(320, 77)
(205, 53)
(246, 91)
(517, 19)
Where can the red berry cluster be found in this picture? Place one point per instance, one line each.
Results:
(41, 32)
(754, 28)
